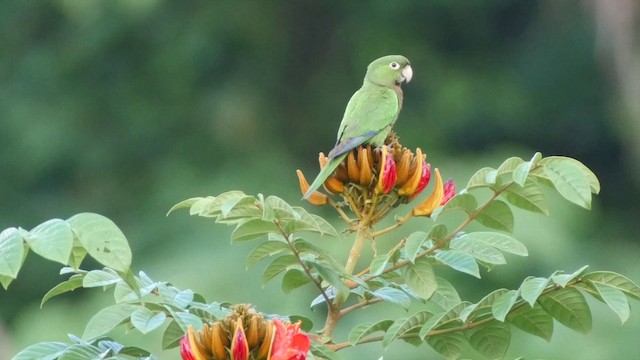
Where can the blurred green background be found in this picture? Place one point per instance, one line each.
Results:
(126, 107)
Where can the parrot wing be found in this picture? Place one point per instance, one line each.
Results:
(370, 111)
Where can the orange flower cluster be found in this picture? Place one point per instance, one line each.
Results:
(245, 335)
(372, 179)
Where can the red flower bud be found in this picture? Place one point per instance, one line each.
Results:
(239, 345)
(424, 178)
(449, 191)
(289, 343)
(185, 348)
(389, 176)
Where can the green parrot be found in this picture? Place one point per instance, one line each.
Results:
(370, 113)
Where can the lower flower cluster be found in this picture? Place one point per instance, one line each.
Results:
(374, 180)
(245, 335)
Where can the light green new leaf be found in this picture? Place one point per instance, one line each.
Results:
(280, 208)
(212, 207)
(533, 320)
(532, 287)
(420, 278)
(11, 252)
(491, 339)
(528, 197)
(507, 168)
(183, 299)
(265, 249)
(78, 253)
(497, 215)
(413, 245)
(146, 320)
(392, 295)
(481, 178)
(107, 319)
(615, 280)
(188, 203)
(503, 304)
(616, 300)
(591, 178)
(73, 283)
(95, 278)
(569, 307)
(185, 319)
(569, 180)
(42, 351)
(294, 279)
(124, 293)
(403, 326)
(278, 266)
(361, 331)
(253, 229)
(478, 249)
(102, 239)
(460, 261)
(450, 345)
(52, 240)
(239, 207)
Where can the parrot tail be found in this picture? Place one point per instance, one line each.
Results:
(324, 174)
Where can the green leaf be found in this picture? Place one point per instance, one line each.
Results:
(481, 178)
(5, 281)
(413, 245)
(491, 339)
(392, 295)
(445, 295)
(564, 279)
(420, 278)
(294, 279)
(480, 250)
(378, 264)
(461, 202)
(265, 249)
(82, 352)
(146, 320)
(528, 197)
(533, 320)
(106, 319)
(102, 239)
(521, 173)
(78, 253)
(450, 345)
(482, 309)
(124, 293)
(239, 207)
(183, 299)
(188, 203)
(446, 319)
(616, 300)
(52, 240)
(95, 278)
(509, 166)
(172, 335)
(502, 242)
(615, 280)
(532, 287)
(278, 266)
(569, 179)
(42, 351)
(497, 215)
(309, 222)
(568, 306)
(403, 326)
(11, 252)
(459, 261)
(212, 206)
(280, 208)
(73, 283)
(591, 178)
(438, 232)
(185, 319)
(322, 351)
(334, 278)
(253, 229)
(361, 331)
(503, 304)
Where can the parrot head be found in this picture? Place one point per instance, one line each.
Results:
(389, 71)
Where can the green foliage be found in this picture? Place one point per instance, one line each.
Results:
(406, 275)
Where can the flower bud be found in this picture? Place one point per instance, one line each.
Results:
(433, 201)
(316, 198)
(409, 188)
(185, 348)
(449, 191)
(366, 175)
(239, 345)
(352, 168)
(219, 342)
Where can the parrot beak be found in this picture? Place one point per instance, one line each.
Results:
(407, 73)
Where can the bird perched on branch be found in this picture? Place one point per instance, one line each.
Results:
(370, 113)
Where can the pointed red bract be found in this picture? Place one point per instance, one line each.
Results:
(449, 191)
(389, 177)
(289, 343)
(185, 348)
(239, 345)
(424, 178)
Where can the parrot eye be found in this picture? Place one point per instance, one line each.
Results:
(394, 65)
